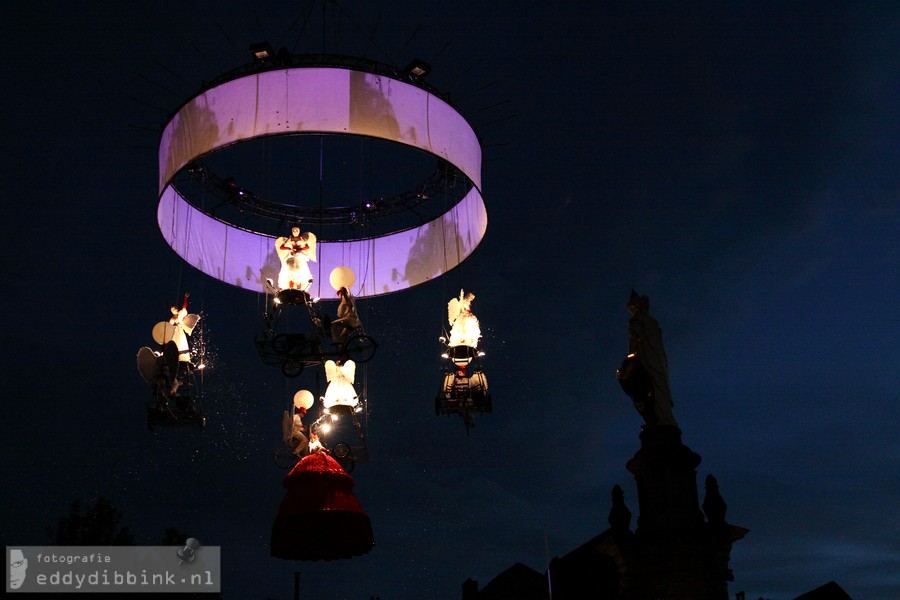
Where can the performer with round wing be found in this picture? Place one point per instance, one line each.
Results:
(464, 327)
(295, 253)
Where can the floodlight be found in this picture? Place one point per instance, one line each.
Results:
(262, 51)
(418, 68)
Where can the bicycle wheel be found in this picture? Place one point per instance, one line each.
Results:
(281, 343)
(292, 367)
(360, 348)
(341, 450)
(284, 457)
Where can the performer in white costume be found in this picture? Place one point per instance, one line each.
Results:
(340, 384)
(464, 327)
(183, 324)
(295, 253)
(174, 356)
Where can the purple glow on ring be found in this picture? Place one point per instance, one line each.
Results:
(321, 100)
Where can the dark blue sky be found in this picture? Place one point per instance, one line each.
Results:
(734, 161)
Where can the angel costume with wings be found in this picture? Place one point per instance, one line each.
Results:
(340, 384)
(464, 327)
(162, 369)
(295, 253)
(177, 329)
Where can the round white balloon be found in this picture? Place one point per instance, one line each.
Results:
(303, 399)
(342, 277)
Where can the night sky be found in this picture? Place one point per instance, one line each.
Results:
(735, 161)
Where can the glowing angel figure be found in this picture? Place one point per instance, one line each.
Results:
(183, 324)
(295, 253)
(173, 362)
(464, 327)
(176, 330)
(340, 384)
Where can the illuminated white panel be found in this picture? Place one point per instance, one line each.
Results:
(382, 265)
(318, 100)
(321, 100)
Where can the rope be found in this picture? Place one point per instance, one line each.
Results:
(321, 193)
(442, 312)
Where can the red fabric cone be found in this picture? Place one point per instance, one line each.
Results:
(320, 518)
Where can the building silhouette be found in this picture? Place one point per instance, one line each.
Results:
(679, 550)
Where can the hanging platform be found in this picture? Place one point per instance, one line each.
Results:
(464, 390)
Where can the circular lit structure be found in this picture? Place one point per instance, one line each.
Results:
(324, 98)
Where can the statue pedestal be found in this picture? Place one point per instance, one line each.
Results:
(666, 475)
(677, 554)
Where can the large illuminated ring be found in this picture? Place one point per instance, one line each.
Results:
(321, 100)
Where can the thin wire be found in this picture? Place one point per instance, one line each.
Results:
(444, 283)
(303, 29)
(321, 201)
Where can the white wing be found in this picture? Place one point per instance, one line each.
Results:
(311, 241)
(453, 309)
(287, 427)
(148, 365)
(189, 322)
(331, 370)
(349, 370)
(162, 332)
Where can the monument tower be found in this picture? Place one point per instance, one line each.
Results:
(677, 551)
(680, 549)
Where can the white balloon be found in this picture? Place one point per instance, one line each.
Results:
(303, 399)
(342, 277)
